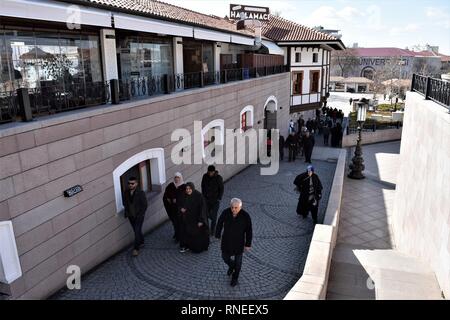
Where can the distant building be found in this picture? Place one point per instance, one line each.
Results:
(395, 62)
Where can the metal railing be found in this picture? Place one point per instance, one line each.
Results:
(9, 109)
(26, 104)
(372, 126)
(433, 89)
(137, 87)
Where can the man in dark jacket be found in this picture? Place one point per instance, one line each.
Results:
(308, 145)
(237, 236)
(135, 204)
(291, 143)
(310, 188)
(212, 190)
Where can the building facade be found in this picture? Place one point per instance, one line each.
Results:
(106, 85)
(389, 63)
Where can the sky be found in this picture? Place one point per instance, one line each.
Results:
(370, 23)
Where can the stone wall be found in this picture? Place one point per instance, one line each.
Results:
(422, 203)
(372, 137)
(40, 159)
(313, 283)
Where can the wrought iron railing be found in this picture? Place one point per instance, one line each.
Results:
(434, 89)
(60, 97)
(8, 106)
(372, 126)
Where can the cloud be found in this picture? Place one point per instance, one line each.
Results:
(398, 31)
(330, 17)
(440, 16)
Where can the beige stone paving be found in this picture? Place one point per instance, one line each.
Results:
(365, 264)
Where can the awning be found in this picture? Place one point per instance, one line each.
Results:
(272, 47)
(53, 11)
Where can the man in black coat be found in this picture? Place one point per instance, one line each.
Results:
(291, 143)
(308, 145)
(310, 188)
(212, 190)
(134, 201)
(237, 236)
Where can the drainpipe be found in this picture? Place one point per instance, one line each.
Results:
(256, 24)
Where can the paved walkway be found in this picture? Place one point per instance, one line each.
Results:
(365, 264)
(270, 269)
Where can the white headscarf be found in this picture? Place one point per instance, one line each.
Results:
(178, 174)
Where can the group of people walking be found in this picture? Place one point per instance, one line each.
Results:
(193, 213)
(299, 143)
(194, 218)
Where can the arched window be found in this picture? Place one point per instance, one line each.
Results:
(246, 118)
(147, 166)
(213, 134)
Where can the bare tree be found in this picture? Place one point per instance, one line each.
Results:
(426, 66)
(344, 60)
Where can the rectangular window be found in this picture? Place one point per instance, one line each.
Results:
(315, 57)
(314, 77)
(298, 57)
(297, 82)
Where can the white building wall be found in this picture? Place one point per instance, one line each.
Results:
(421, 217)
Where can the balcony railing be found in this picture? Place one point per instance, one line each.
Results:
(433, 89)
(26, 104)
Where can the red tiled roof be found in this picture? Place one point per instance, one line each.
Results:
(276, 29)
(168, 11)
(432, 54)
(381, 52)
(280, 29)
(395, 52)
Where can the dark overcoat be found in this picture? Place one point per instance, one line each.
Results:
(302, 184)
(237, 231)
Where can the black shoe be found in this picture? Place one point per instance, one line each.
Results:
(234, 282)
(230, 271)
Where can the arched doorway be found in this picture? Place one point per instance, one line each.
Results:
(270, 113)
(147, 166)
(368, 72)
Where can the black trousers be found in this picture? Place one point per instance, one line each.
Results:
(325, 139)
(136, 224)
(292, 153)
(211, 209)
(172, 212)
(235, 264)
(308, 153)
(313, 210)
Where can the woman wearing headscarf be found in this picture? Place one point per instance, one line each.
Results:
(172, 197)
(194, 221)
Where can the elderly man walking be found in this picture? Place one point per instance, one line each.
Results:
(237, 236)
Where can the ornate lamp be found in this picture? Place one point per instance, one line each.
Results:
(357, 165)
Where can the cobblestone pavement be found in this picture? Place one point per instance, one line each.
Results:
(275, 263)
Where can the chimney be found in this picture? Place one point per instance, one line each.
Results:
(256, 24)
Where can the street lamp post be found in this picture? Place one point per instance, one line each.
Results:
(357, 165)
